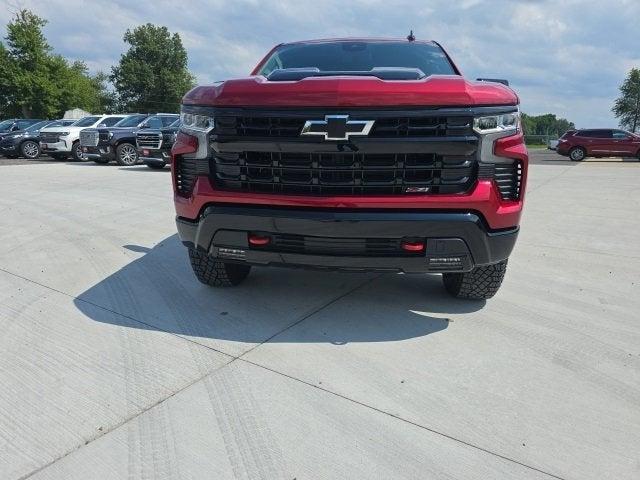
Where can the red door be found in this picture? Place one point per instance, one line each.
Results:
(625, 144)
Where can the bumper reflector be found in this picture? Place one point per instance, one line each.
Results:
(412, 246)
(259, 240)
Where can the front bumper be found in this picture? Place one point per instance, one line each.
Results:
(455, 241)
(9, 147)
(100, 151)
(154, 156)
(61, 146)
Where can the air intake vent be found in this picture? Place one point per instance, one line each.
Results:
(508, 177)
(186, 174)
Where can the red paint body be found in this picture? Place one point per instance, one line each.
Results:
(345, 91)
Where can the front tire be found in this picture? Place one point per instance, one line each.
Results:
(577, 154)
(216, 273)
(76, 152)
(481, 283)
(126, 155)
(30, 149)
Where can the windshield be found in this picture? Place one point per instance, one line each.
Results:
(37, 126)
(353, 56)
(86, 122)
(132, 121)
(6, 125)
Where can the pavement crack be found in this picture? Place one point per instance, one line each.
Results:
(404, 420)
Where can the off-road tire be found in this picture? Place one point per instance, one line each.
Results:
(216, 273)
(30, 149)
(577, 154)
(480, 283)
(126, 155)
(76, 152)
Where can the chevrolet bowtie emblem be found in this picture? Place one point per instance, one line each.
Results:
(337, 127)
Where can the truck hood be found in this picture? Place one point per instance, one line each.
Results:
(349, 91)
(69, 129)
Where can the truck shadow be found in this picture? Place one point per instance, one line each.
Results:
(158, 291)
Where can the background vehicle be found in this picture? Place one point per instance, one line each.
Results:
(352, 154)
(154, 145)
(15, 124)
(118, 143)
(60, 142)
(552, 144)
(599, 142)
(26, 143)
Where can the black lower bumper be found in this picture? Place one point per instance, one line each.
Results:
(105, 152)
(454, 241)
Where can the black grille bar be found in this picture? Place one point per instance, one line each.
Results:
(386, 126)
(508, 177)
(383, 247)
(344, 173)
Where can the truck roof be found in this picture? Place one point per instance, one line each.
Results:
(358, 39)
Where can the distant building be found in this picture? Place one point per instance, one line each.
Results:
(76, 113)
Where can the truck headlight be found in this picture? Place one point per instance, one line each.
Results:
(502, 123)
(63, 134)
(196, 122)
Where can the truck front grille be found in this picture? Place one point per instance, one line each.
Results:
(49, 137)
(149, 140)
(88, 138)
(384, 126)
(345, 173)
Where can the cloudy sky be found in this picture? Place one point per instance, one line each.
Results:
(564, 57)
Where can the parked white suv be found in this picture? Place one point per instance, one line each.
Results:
(60, 142)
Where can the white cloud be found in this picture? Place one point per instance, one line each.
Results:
(564, 57)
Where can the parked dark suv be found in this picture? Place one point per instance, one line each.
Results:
(154, 144)
(118, 143)
(26, 142)
(11, 125)
(598, 142)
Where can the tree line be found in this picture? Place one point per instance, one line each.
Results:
(35, 82)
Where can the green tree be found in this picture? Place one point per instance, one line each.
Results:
(547, 124)
(152, 75)
(627, 107)
(34, 82)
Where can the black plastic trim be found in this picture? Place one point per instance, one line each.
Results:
(227, 227)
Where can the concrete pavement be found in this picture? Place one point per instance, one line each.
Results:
(116, 363)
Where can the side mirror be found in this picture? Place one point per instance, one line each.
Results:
(145, 125)
(494, 80)
(102, 125)
(14, 128)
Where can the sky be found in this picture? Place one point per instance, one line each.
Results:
(563, 57)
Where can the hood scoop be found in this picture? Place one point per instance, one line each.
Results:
(383, 73)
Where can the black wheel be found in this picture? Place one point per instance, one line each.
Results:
(101, 161)
(577, 154)
(76, 152)
(156, 166)
(58, 156)
(30, 149)
(480, 283)
(126, 155)
(216, 273)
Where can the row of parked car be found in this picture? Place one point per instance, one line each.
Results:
(126, 139)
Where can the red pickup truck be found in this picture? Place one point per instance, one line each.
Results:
(352, 154)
